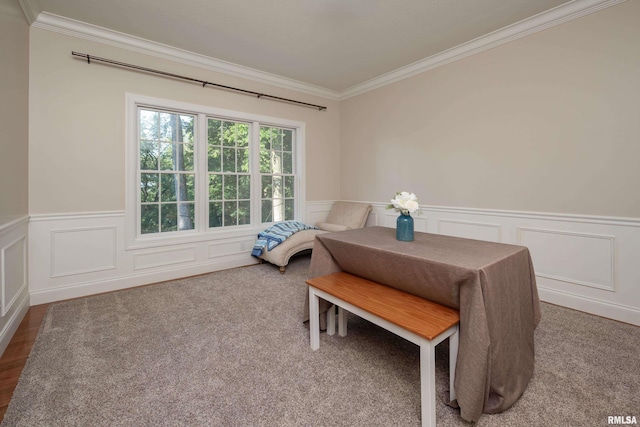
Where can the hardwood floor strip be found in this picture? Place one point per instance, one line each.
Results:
(17, 352)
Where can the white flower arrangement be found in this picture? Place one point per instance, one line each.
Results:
(405, 203)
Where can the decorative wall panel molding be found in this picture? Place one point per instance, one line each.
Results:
(82, 250)
(163, 257)
(470, 230)
(13, 272)
(317, 211)
(230, 247)
(579, 258)
(14, 294)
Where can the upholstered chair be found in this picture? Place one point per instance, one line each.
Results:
(343, 216)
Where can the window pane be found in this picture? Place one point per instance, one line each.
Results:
(177, 154)
(277, 206)
(276, 162)
(168, 217)
(166, 127)
(166, 156)
(173, 157)
(277, 187)
(230, 213)
(148, 124)
(187, 192)
(191, 188)
(228, 134)
(288, 186)
(215, 214)
(265, 161)
(148, 219)
(267, 215)
(168, 189)
(242, 136)
(287, 162)
(186, 216)
(287, 140)
(244, 212)
(265, 138)
(289, 206)
(186, 128)
(267, 187)
(277, 139)
(187, 157)
(149, 187)
(229, 159)
(148, 155)
(215, 187)
(213, 131)
(214, 159)
(244, 187)
(243, 160)
(230, 187)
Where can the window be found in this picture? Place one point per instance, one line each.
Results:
(167, 176)
(195, 170)
(276, 172)
(229, 173)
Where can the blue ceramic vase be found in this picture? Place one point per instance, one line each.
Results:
(404, 228)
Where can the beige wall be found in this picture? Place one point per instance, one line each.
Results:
(14, 95)
(77, 122)
(548, 123)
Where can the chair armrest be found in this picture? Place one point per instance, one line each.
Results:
(326, 226)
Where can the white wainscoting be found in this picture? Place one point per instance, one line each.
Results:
(80, 254)
(77, 255)
(14, 295)
(587, 263)
(582, 262)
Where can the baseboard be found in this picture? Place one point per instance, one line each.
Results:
(619, 312)
(13, 322)
(88, 288)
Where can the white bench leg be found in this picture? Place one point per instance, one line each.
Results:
(428, 383)
(314, 319)
(331, 320)
(342, 322)
(454, 341)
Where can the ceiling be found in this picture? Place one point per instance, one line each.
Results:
(330, 44)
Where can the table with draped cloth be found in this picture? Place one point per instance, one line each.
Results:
(492, 285)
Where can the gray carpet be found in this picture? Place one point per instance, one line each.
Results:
(229, 349)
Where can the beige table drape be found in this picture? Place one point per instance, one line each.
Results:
(491, 284)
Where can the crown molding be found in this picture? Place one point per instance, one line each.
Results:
(551, 18)
(526, 27)
(31, 9)
(82, 30)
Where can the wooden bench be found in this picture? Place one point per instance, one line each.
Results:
(416, 319)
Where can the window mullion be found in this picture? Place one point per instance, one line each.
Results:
(202, 181)
(256, 197)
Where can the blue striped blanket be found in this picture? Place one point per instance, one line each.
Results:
(276, 234)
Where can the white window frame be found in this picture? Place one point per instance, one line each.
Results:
(201, 232)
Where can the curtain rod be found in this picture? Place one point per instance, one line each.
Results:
(204, 83)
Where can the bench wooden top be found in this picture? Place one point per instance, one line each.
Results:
(418, 315)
